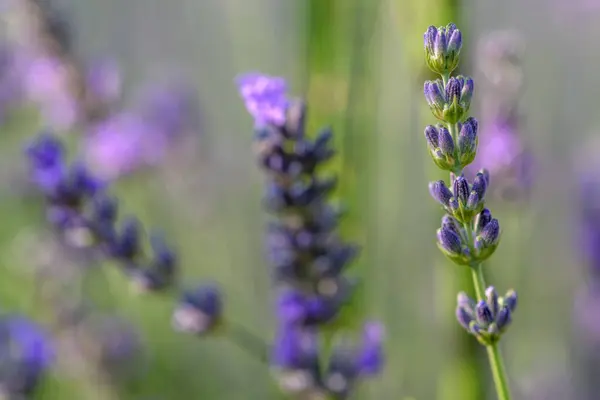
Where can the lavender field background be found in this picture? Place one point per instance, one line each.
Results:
(360, 65)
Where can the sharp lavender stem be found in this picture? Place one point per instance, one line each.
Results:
(306, 254)
(469, 235)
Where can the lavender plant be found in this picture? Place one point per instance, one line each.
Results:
(469, 234)
(307, 256)
(84, 217)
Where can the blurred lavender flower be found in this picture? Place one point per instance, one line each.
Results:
(67, 90)
(79, 207)
(26, 352)
(304, 249)
(502, 148)
(142, 136)
(46, 82)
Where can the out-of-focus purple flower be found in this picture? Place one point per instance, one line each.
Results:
(370, 357)
(141, 137)
(499, 147)
(46, 161)
(172, 108)
(45, 81)
(104, 80)
(121, 144)
(27, 353)
(265, 97)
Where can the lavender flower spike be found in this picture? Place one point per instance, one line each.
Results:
(307, 256)
(469, 235)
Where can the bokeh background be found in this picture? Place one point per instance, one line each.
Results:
(360, 65)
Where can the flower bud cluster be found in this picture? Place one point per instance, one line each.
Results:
(486, 319)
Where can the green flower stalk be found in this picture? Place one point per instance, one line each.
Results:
(468, 234)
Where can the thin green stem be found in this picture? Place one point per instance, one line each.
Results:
(497, 365)
(478, 281)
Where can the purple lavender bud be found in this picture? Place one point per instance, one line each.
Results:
(479, 185)
(199, 310)
(291, 307)
(432, 137)
(105, 208)
(465, 302)
(429, 38)
(449, 222)
(466, 91)
(490, 233)
(449, 242)
(47, 161)
(162, 270)
(458, 93)
(491, 297)
(453, 89)
(82, 181)
(440, 192)
(265, 98)
(434, 94)
(510, 300)
(461, 190)
(487, 240)
(440, 44)
(446, 143)
(484, 314)
(454, 40)
(473, 201)
(481, 220)
(295, 353)
(486, 175)
(504, 318)
(467, 141)
(463, 317)
(442, 48)
(126, 245)
(370, 358)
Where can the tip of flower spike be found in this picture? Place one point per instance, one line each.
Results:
(265, 97)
